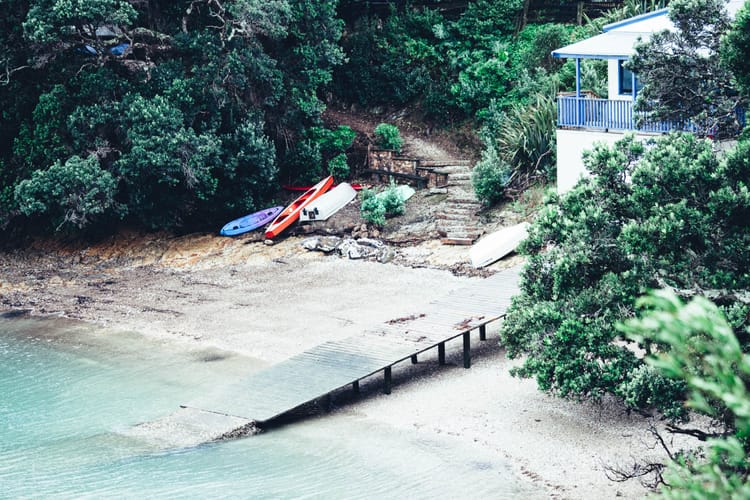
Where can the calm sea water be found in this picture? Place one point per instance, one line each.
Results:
(68, 391)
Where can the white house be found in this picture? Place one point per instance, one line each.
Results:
(583, 119)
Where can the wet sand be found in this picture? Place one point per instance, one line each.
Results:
(272, 302)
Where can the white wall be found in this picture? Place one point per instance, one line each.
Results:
(570, 147)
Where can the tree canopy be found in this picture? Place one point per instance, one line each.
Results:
(167, 114)
(685, 82)
(667, 213)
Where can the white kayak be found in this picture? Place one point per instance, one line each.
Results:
(497, 245)
(329, 203)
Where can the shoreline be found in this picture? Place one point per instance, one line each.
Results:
(211, 292)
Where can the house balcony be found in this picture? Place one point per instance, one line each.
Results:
(605, 114)
(592, 113)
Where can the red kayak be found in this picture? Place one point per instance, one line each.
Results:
(357, 187)
(291, 213)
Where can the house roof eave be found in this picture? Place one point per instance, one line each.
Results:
(635, 19)
(588, 56)
(611, 45)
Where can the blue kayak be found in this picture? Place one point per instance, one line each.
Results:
(249, 222)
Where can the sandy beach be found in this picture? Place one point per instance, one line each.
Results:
(271, 302)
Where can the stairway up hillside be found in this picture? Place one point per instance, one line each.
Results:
(457, 221)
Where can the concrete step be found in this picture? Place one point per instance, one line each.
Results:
(453, 240)
(445, 163)
(458, 228)
(453, 170)
(464, 202)
(463, 210)
(459, 176)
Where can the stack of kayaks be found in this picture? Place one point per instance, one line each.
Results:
(291, 213)
(329, 203)
(250, 222)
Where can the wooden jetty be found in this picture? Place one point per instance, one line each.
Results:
(331, 366)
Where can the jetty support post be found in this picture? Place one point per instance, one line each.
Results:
(483, 332)
(355, 387)
(467, 350)
(441, 353)
(414, 359)
(387, 380)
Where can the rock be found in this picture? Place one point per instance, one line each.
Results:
(363, 248)
(349, 248)
(370, 242)
(385, 255)
(325, 244)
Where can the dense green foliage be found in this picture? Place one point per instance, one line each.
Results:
(456, 67)
(685, 82)
(703, 353)
(668, 212)
(519, 144)
(197, 109)
(476, 66)
(174, 115)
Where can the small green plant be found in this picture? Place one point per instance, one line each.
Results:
(388, 137)
(372, 209)
(393, 202)
(376, 208)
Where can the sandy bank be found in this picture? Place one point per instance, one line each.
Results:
(270, 303)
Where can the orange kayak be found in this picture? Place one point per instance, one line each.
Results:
(291, 213)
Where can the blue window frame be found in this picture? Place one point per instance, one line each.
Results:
(625, 79)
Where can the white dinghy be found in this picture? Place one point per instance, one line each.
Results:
(329, 203)
(497, 245)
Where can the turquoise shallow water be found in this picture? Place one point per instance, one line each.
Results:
(67, 391)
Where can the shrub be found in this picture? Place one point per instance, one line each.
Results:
(702, 352)
(388, 137)
(490, 176)
(375, 208)
(73, 193)
(526, 141)
(372, 209)
(393, 202)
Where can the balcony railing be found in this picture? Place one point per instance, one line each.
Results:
(605, 114)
